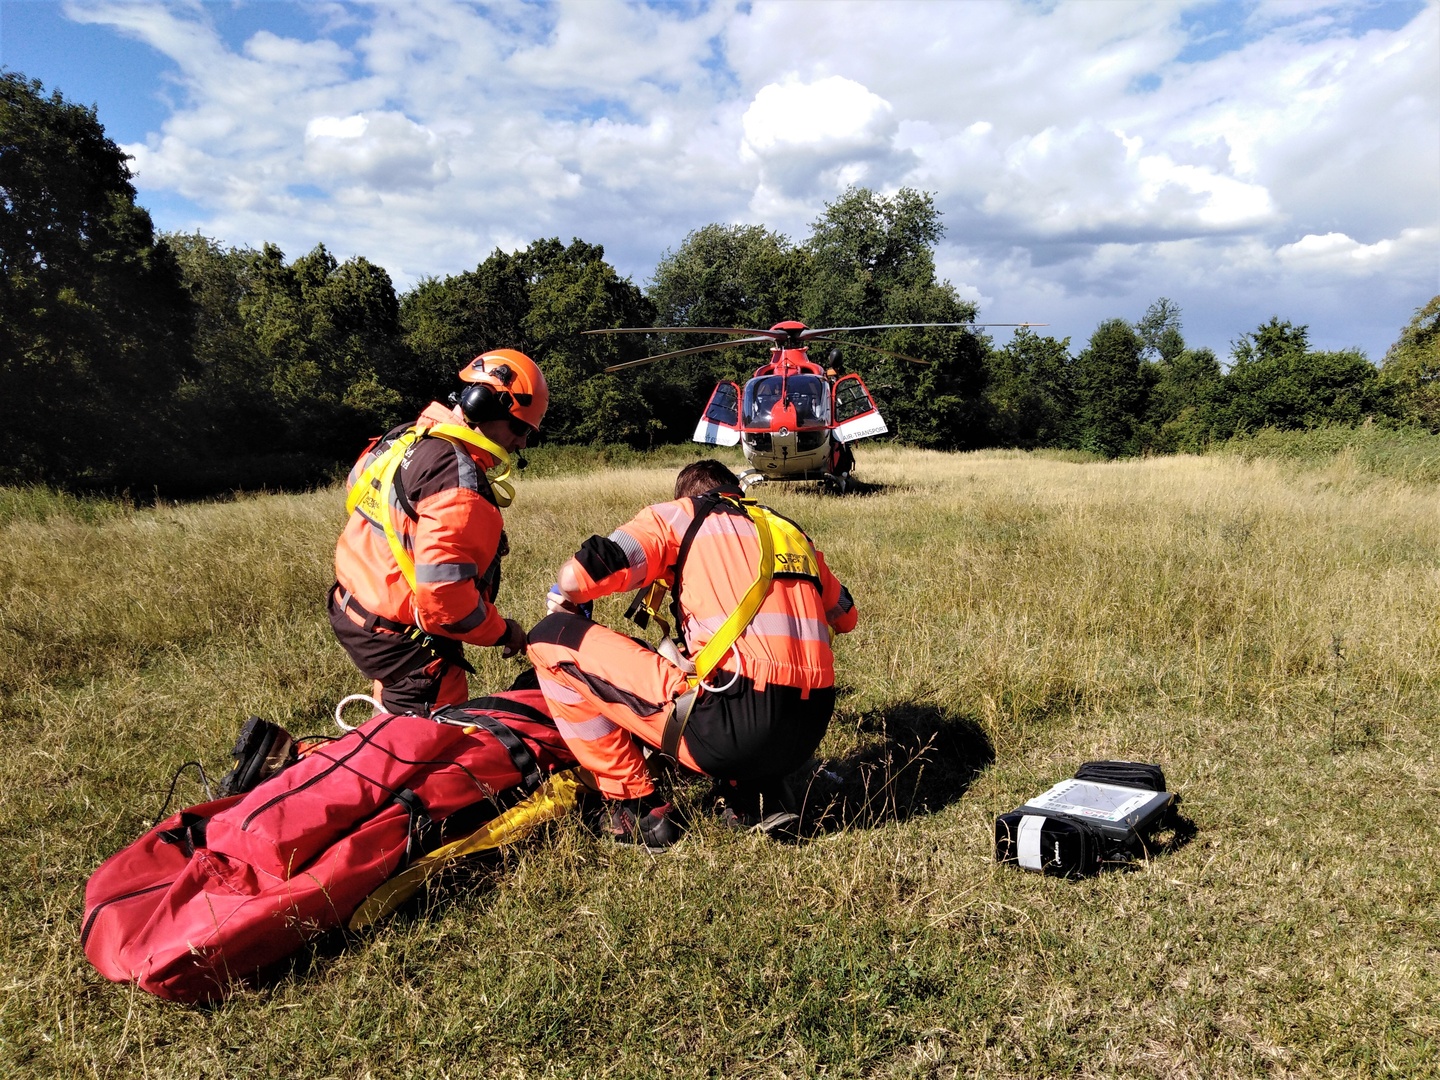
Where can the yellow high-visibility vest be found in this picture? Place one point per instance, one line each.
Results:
(374, 489)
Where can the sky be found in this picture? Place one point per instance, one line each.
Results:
(1243, 159)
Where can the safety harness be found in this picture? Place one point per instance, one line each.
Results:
(785, 552)
(374, 492)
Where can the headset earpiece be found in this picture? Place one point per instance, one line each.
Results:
(479, 403)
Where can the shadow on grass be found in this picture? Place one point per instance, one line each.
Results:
(918, 760)
(860, 487)
(1174, 833)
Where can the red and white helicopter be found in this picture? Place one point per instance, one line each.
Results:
(793, 419)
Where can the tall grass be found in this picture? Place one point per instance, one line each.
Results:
(1267, 632)
(1401, 453)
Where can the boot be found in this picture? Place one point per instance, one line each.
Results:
(645, 821)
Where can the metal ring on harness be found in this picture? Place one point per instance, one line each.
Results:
(734, 675)
(346, 701)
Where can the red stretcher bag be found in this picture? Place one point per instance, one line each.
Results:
(215, 894)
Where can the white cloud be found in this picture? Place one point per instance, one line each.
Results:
(825, 116)
(1081, 164)
(817, 138)
(386, 150)
(1335, 253)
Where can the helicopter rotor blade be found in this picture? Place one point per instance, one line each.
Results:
(712, 347)
(770, 335)
(872, 348)
(809, 335)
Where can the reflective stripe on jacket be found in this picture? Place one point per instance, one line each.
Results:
(788, 640)
(456, 537)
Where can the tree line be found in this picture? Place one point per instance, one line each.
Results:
(173, 361)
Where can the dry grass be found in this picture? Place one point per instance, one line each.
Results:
(1268, 633)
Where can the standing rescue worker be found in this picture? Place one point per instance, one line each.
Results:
(756, 607)
(417, 568)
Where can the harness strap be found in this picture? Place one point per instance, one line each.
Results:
(735, 624)
(646, 606)
(531, 775)
(504, 704)
(374, 490)
(379, 622)
(792, 556)
(419, 821)
(676, 721)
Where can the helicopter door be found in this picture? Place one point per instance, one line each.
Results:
(856, 415)
(719, 426)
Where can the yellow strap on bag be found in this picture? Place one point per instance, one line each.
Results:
(374, 489)
(550, 801)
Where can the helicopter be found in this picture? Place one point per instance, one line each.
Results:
(794, 420)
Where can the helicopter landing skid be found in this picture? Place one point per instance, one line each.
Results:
(837, 483)
(749, 478)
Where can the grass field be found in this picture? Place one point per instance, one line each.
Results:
(1267, 632)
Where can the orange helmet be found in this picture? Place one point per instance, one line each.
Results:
(504, 383)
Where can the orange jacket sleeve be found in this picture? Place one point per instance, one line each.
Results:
(840, 610)
(634, 555)
(457, 538)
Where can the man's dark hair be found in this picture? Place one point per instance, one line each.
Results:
(701, 476)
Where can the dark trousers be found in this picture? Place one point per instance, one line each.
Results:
(413, 679)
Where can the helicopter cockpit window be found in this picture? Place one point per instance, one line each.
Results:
(811, 397)
(851, 399)
(721, 409)
(761, 396)
(807, 393)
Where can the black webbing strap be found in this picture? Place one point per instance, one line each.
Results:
(419, 822)
(704, 506)
(189, 834)
(531, 775)
(676, 721)
(451, 650)
(495, 703)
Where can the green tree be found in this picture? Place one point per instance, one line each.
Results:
(329, 332)
(1159, 330)
(573, 289)
(721, 275)
(93, 317)
(447, 322)
(1276, 381)
(1109, 390)
(539, 300)
(1410, 373)
(1179, 383)
(871, 262)
(1031, 391)
(1179, 402)
(728, 275)
(226, 401)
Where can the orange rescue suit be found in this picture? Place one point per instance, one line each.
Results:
(455, 536)
(788, 640)
(765, 706)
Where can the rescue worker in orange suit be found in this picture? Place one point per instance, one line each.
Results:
(417, 568)
(763, 707)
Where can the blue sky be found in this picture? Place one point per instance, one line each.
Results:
(1243, 159)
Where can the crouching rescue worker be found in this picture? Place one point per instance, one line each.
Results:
(417, 568)
(752, 696)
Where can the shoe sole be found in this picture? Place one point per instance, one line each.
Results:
(780, 821)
